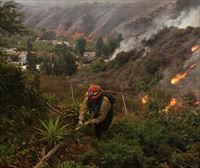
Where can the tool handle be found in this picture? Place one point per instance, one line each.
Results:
(83, 125)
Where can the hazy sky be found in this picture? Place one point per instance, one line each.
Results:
(76, 1)
(69, 1)
(54, 2)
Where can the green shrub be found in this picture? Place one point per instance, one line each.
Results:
(179, 33)
(86, 157)
(153, 137)
(71, 113)
(121, 152)
(127, 142)
(151, 142)
(7, 154)
(142, 86)
(121, 59)
(52, 100)
(53, 131)
(98, 66)
(176, 158)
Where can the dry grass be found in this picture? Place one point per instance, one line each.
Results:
(51, 85)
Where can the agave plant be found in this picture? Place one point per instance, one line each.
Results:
(53, 131)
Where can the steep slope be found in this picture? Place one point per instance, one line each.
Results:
(94, 19)
(164, 55)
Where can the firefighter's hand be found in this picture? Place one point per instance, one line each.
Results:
(93, 121)
(80, 122)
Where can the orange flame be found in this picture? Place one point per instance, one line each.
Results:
(195, 47)
(145, 99)
(172, 102)
(182, 75)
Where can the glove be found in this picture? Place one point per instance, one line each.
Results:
(80, 122)
(93, 121)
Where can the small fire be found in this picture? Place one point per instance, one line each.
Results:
(182, 75)
(178, 77)
(145, 99)
(172, 102)
(195, 47)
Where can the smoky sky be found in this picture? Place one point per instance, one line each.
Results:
(60, 2)
(71, 1)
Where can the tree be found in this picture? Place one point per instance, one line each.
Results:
(11, 20)
(47, 66)
(31, 58)
(98, 66)
(65, 64)
(99, 46)
(112, 45)
(119, 38)
(81, 45)
(49, 35)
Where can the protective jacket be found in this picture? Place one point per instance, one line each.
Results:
(100, 109)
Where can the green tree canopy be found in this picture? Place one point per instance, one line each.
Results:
(119, 37)
(48, 35)
(65, 63)
(99, 46)
(11, 20)
(112, 44)
(81, 45)
(31, 58)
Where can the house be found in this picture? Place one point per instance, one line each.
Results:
(90, 55)
(55, 42)
(22, 57)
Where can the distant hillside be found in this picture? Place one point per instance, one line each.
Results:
(96, 19)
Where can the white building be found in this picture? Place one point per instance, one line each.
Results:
(90, 55)
(23, 57)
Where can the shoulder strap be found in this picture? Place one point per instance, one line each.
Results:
(110, 97)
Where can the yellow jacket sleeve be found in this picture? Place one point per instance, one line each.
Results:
(105, 107)
(83, 109)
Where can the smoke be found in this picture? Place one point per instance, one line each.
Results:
(126, 45)
(186, 18)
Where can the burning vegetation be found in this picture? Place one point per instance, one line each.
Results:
(145, 99)
(172, 102)
(195, 47)
(182, 75)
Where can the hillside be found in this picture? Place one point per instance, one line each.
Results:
(166, 53)
(95, 19)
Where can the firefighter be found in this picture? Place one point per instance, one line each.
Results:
(101, 106)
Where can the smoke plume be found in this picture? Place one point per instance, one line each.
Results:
(186, 18)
